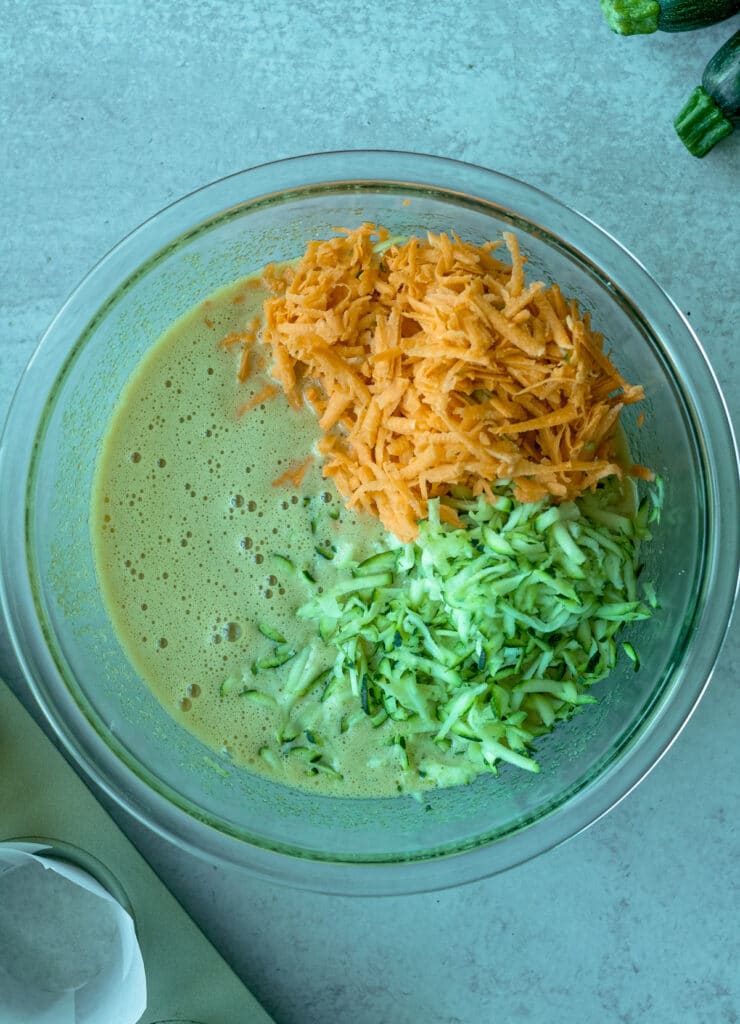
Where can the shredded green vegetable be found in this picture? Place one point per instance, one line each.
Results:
(483, 638)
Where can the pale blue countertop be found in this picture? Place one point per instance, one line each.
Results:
(110, 110)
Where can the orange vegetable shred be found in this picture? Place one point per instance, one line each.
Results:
(432, 364)
(263, 395)
(294, 474)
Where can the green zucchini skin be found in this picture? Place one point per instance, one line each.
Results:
(686, 15)
(641, 17)
(713, 109)
(721, 78)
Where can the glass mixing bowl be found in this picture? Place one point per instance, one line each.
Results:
(106, 717)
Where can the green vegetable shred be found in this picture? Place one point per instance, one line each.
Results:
(481, 638)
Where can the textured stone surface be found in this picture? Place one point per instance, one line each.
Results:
(108, 111)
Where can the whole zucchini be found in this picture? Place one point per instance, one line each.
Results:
(713, 109)
(639, 17)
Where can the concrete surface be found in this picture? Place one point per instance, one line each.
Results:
(110, 110)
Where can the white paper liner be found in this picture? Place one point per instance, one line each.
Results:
(68, 949)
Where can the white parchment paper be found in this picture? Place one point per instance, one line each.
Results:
(68, 950)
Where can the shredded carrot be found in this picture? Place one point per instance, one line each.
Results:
(235, 338)
(433, 363)
(265, 393)
(294, 474)
(246, 340)
(243, 371)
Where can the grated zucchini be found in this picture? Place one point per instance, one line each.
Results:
(483, 638)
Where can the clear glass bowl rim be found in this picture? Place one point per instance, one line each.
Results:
(278, 179)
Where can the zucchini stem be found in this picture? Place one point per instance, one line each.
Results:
(631, 17)
(700, 124)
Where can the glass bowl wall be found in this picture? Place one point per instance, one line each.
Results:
(116, 729)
